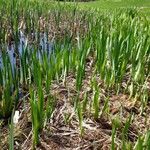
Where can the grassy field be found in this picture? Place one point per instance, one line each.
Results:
(143, 5)
(108, 4)
(73, 77)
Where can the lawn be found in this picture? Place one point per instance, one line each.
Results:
(108, 4)
(143, 5)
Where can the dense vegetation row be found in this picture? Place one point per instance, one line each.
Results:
(111, 51)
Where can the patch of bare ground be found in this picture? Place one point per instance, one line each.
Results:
(60, 133)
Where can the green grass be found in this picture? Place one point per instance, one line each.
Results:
(116, 3)
(98, 56)
(143, 5)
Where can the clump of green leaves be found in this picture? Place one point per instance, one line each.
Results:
(9, 88)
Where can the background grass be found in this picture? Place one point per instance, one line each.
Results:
(143, 5)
